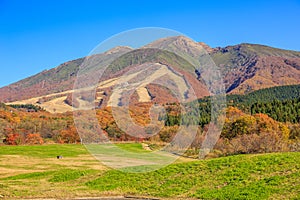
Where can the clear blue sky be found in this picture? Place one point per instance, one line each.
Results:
(41, 34)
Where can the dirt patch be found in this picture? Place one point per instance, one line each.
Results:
(143, 95)
(11, 165)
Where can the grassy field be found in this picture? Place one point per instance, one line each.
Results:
(35, 172)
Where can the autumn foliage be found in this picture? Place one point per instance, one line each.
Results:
(242, 132)
(68, 135)
(34, 138)
(13, 139)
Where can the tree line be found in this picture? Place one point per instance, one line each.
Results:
(251, 126)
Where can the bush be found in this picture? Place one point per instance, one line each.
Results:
(13, 139)
(34, 138)
(252, 143)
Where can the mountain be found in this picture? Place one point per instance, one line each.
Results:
(55, 80)
(245, 68)
(249, 67)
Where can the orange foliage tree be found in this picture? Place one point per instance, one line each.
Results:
(34, 138)
(68, 136)
(243, 133)
(13, 139)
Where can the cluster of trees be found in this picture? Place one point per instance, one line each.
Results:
(27, 107)
(245, 131)
(18, 126)
(139, 114)
(17, 139)
(281, 103)
(258, 133)
(266, 95)
(283, 111)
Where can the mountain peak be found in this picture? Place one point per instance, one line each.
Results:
(118, 49)
(163, 42)
(181, 45)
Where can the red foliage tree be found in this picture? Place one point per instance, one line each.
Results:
(13, 139)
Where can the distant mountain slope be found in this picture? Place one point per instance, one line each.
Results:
(245, 68)
(55, 80)
(249, 67)
(50, 81)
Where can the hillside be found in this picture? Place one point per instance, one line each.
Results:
(281, 103)
(245, 68)
(58, 79)
(78, 174)
(55, 80)
(265, 95)
(261, 127)
(249, 67)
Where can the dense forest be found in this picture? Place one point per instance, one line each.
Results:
(281, 103)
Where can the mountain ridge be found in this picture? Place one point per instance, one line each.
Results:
(245, 67)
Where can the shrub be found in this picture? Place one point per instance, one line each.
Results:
(13, 139)
(34, 138)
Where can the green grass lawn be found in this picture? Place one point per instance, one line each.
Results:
(43, 151)
(131, 157)
(34, 172)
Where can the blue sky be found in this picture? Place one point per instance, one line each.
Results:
(38, 35)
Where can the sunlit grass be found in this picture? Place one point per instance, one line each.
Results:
(34, 172)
